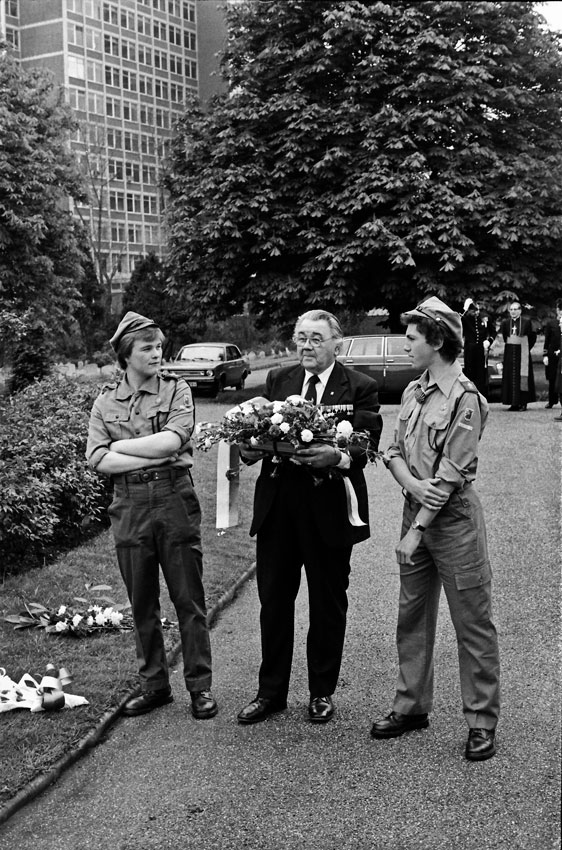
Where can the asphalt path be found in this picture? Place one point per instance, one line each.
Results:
(165, 780)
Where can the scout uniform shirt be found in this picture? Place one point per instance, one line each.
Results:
(163, 402)
(438, 437)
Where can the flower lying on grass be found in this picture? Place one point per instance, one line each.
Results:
(281, 426)
(77, 622)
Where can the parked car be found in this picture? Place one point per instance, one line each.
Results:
(210, 366)
(382, 357)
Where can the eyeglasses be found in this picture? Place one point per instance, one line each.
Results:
(315, 341)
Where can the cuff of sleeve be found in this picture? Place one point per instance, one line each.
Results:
(344, 461)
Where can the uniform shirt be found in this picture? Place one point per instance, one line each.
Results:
(439, 438)
(162, 403)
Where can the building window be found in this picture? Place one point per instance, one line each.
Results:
(117, 201)
(114, 138)
(144, 25)
(150, 204)
(129, 80)
(77, 99)
(160, 60)
(190, 41)
(130, 111)
(93, 39)
(191, 69)
(12, 37)
(96, 103)
(135, 233)
(127, 20)
(189, 12)
(76, 67)
(174, 8)
(145, 84)
(160, 5)
(132, 170)
(113, 107)
(117, 232)
(112, 76)
(162, 119)
(176, 93)
(159, 30)
(145, 54)
(115, 168)
(75, 34)
(146, 114)
(176, 65)
(174, 35)
(161, 89)
(111, 45)
(128, 50)
(110, 14)
(95, 71)
(149, 175)
(131, 141)
(134, 202)
(12, 8)
(147, 144)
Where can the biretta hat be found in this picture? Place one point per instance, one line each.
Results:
(434, 308)
(129, 323)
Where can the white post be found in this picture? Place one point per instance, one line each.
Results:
(228, 467)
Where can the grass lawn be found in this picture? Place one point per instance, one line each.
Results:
(103, 666)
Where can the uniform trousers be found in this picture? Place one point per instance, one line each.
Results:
(453, 554)
(288, 539)
(158, 523)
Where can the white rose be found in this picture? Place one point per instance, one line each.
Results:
(276, 419)
(253, 441)
(277, 406)
(116, 617)
(77, 619)
(100, 619)
(295, 400)
(284, 427)
(61, 627)
(90, 621)
(61, 611)
(344, 428)
(307, 436)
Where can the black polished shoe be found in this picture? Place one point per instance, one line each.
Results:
(147, 701)
(549, 406)
(259, 709)
(480, 745)
(396, 724)
(320, 709)
(203, 704)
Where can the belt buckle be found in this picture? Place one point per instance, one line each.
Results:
(145, 475)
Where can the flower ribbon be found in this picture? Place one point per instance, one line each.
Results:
(352, 504)
(48, 695)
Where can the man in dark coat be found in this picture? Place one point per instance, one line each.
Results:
(518, 381)
(310, 512)
(477, 338)
(551, 354)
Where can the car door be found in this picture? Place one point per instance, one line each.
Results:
(234, 365)
(365, 354)
(398, 369)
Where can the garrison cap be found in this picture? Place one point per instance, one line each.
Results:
(434, 308)
(130, 323)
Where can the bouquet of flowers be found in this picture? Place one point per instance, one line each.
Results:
(282, 427)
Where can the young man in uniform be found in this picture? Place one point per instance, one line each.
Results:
(443, 541)
(139, 435)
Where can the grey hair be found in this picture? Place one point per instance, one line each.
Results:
(322, 316)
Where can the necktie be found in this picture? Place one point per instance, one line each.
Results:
(310, 393)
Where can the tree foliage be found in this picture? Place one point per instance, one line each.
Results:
(40, 259)
(368, 153)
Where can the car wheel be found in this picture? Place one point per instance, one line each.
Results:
(241, 383)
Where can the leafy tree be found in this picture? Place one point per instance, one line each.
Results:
(368, 153)
(40, 259)
(147, 294)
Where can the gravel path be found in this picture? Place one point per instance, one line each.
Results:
(165, 780)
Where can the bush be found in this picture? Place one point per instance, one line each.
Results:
(49, 498)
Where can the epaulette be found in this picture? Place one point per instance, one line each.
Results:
(168, 376)
(467, 384)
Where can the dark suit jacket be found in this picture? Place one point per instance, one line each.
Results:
(327, 499)
(552, 335)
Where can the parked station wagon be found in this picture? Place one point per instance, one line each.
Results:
(210, 366)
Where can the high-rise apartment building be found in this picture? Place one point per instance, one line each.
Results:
(126, 67)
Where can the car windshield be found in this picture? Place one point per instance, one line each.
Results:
(201, 352)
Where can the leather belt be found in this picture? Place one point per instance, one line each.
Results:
(145, 475)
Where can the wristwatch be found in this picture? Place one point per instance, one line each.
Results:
(417, 526)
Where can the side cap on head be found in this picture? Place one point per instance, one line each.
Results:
(129, 323)
(434, 308)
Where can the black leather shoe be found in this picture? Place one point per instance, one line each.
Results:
(203, 704)
(396, 724)
(147, 701)
(480, 745)
(549, 406)
(259, 709)
(320, 709)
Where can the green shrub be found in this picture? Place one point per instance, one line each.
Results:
(49, 498)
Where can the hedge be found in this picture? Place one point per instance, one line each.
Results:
(49, 498)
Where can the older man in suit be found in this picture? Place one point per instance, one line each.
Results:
(303, 516)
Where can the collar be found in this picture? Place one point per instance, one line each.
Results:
(323, 377)
(446, 379)
(125, 390)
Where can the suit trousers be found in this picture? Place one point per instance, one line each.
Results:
(157, 523)
(453, 554)
(288, 539)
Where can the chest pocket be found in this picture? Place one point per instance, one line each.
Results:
(157, 415)
(436, 425)
(117, 423)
